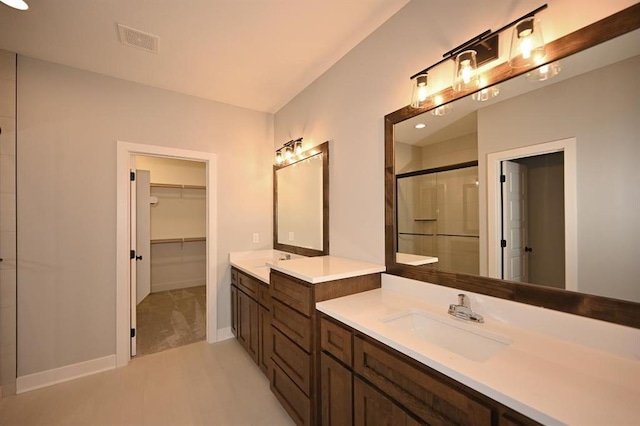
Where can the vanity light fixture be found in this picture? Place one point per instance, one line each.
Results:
(545, 72)
(16, 4)
(527, 44)
(527, 49)
(419, 95)
(465, 75)
(289, 151)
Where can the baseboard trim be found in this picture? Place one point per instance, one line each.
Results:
(224, 334)
(63, 374)
(176, 285)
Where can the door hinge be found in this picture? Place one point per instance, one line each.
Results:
(133, 333)
(132, 254)
(132, 176)
(503, 243)
(503, 178)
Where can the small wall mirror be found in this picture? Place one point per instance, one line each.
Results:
(301, 203)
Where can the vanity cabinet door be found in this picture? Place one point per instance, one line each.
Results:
(336, 340)
(248, 324)
(234, 310)
(336, 392)
(264, 338)
(371, 408)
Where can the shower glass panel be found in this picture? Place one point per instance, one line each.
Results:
(438, 216)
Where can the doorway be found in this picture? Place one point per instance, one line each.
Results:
(532, 214)
(170, 252)
(125, 266)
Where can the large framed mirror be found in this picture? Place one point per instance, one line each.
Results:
(532, 195)
(301, 203)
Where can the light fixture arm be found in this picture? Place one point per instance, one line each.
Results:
(478, 39)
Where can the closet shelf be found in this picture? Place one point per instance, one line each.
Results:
(177, 240)
(175, 185)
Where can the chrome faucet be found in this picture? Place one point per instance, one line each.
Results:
(463, 310)
(284, 256)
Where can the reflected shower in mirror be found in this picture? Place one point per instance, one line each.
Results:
(539, 184)
(301, 203)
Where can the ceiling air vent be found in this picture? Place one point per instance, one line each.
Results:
(138, 39)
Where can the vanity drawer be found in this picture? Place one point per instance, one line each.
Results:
(292, 360)
(423, 394)
(291, 292)
(264, 295)
(249, 285)
(290, 396)
(234, 276)
(336, 340)
(292, 324)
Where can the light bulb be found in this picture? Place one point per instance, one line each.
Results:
(279, 157)
(465, 76)
(419, 95)
(298, 147)
(288, 152)
(527, 44)
(525, 47)
(466, 71)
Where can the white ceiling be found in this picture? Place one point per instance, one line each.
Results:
(256, 54)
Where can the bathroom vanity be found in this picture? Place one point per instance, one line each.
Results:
(396, 351)
(275, 319)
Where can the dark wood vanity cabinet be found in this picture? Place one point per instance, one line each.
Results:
(295, 368)
(251, 317)
(388, 388)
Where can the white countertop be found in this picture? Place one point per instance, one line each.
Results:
(254, 262)
(324, 268)
(558, 368)
(415, 259)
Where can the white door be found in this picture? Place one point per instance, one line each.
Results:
(514, 222)
(143, 235)
(132, 262)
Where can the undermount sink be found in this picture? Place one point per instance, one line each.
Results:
(467, 340)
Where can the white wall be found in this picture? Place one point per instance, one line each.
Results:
(69, 123)
(348, 103)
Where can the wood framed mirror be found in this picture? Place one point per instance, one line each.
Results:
(484, 278)
(301, 203)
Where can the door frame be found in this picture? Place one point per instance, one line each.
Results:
(494, 204)
(123, 295)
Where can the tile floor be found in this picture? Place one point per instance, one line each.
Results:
(197, 384)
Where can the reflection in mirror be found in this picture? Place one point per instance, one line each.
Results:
(301, 203)
(568, 147)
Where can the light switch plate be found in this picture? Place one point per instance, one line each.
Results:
(256, 237)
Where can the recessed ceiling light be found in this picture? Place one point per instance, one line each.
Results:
(16, 4)
(420, 126)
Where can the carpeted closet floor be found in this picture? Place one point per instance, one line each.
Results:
(170, 319)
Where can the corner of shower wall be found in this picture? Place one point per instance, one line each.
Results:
(8, 288)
